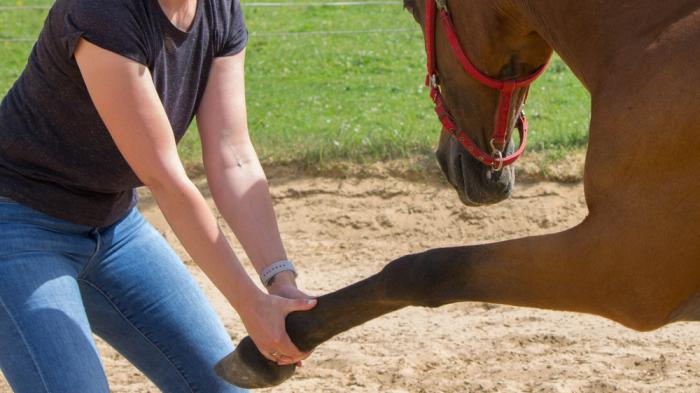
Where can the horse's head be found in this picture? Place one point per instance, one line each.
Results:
(482, 58)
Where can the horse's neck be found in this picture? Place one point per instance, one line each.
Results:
(593, 36)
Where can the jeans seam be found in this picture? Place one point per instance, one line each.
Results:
(142, 334)
(87, 268)
(26, 345)
(90, 265)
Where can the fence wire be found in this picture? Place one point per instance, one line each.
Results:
(282, 34)
(247, 5)
(262, 33)
(328, 32)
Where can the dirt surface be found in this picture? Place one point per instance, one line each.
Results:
(339, 231)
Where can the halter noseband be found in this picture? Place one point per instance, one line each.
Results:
(506, 88)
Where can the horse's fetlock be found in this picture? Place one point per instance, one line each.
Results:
(301, 326)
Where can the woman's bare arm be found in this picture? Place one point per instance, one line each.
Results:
(234, 173)
(125, 97)
(236, 178)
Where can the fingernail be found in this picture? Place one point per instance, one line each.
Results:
(310, 301)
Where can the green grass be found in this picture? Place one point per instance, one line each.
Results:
(317, 99)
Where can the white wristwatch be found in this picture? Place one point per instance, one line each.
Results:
(267, 276)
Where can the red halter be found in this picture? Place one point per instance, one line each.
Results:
(500, 133)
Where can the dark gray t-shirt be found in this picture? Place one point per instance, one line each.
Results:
(56, 155)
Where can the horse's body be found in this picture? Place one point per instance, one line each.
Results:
(636, 258)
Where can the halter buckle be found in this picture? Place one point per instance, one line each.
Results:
(442, 5)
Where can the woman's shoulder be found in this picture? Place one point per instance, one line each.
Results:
(120, 26)
(104, 4)
(229, 28)
(111, 8)
(108, 14)
(226, 8)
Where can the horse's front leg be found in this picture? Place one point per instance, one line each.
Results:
(577, 270)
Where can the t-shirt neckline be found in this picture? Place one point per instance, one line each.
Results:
(174, 29)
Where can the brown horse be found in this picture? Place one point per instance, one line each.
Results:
(636, 258)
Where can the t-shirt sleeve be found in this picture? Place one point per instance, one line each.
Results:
(115, 25)
(236, 33)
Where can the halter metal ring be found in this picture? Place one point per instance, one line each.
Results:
(497, 156)
(497, 160)
(492, 142)
(442, 5)
(433, 80)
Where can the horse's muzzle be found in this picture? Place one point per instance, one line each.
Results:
(475, 183)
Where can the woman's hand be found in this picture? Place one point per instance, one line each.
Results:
(284, 285)
(264, 319)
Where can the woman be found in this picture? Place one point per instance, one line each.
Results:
(109, 88)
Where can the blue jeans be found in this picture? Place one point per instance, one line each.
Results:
(61, 281)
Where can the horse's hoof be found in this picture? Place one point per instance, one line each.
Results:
(247, 368)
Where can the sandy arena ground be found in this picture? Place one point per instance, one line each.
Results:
(341, 230)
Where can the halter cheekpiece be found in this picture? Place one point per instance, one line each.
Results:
(506, 88)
